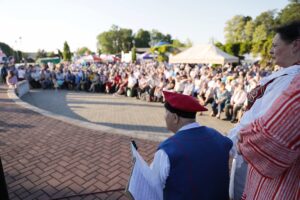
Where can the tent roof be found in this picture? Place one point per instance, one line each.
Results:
(54, 60)
(146, 56)
(207, 53)
(161, 43)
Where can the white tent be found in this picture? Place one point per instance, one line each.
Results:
(207, 53)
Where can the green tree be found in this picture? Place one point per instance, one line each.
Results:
(41, 53)
(260, 33)
(66, 52)
(51, 54)
(83, 51)
(133, 54)
(235, 29)
(267, 20)
(245, 47)
(177, 44)
(290, 13)
(6, 49)
(142, 38)
(18, 55)
(249, 30)
(162, 52)
(233, 48)
(115, 40)
(60, 54)
(265, 51)
(106, 43)
(220, 46)
(157, 36)
(126, 38)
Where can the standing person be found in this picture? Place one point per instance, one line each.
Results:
(193, 163)
(269, 130)
(11, 79)
(4, 73)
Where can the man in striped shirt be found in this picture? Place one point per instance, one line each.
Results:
(270, 144)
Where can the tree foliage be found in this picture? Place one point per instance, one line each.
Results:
(66, 52)
(51, 54)
(266, 20)
(142, 38)
(119, 39)
(232, 48)
(115, 40)
(246, 35)
(6, 49)
(156, 36)
(60, 54)
(235, 29)
(290, 13)
(177, 44)
(162, 52)
(41, 53)
(83, 51)
(133, 54)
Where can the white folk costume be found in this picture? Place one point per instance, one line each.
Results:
(262, 107)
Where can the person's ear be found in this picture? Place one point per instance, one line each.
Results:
(175, 118)
(296, 46)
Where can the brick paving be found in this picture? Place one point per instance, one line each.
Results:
(44, 158)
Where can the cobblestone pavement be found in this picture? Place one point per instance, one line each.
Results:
(45, 158)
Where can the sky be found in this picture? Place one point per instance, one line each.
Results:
(30, 25)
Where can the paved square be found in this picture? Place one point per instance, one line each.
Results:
(44, 158)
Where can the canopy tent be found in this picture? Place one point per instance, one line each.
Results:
(109, 58)
(207, 53)
(250, 58)
(161, 43)
(90, 58)
(146, 56)
(54, 60)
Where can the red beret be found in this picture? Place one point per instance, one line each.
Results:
(183, 103)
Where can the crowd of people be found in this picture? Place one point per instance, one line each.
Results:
(193, 163)
(224, 87)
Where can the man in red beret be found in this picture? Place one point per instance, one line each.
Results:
(193, 163)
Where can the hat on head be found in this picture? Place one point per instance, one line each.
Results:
(183, 105)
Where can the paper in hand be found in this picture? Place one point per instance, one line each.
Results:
(143, 183)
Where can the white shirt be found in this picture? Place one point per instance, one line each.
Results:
(21, 73)
(161, 162)
(188, 88)
(131, 81)
(239, 97)
(260, 107)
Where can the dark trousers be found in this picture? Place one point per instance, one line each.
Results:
(231, 111)
(217, 107)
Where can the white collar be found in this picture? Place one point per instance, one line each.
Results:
(189, 126)
(289, 70)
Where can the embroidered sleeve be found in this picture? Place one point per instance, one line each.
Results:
(271, 143)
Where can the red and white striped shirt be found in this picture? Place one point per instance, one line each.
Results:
(271, 146)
